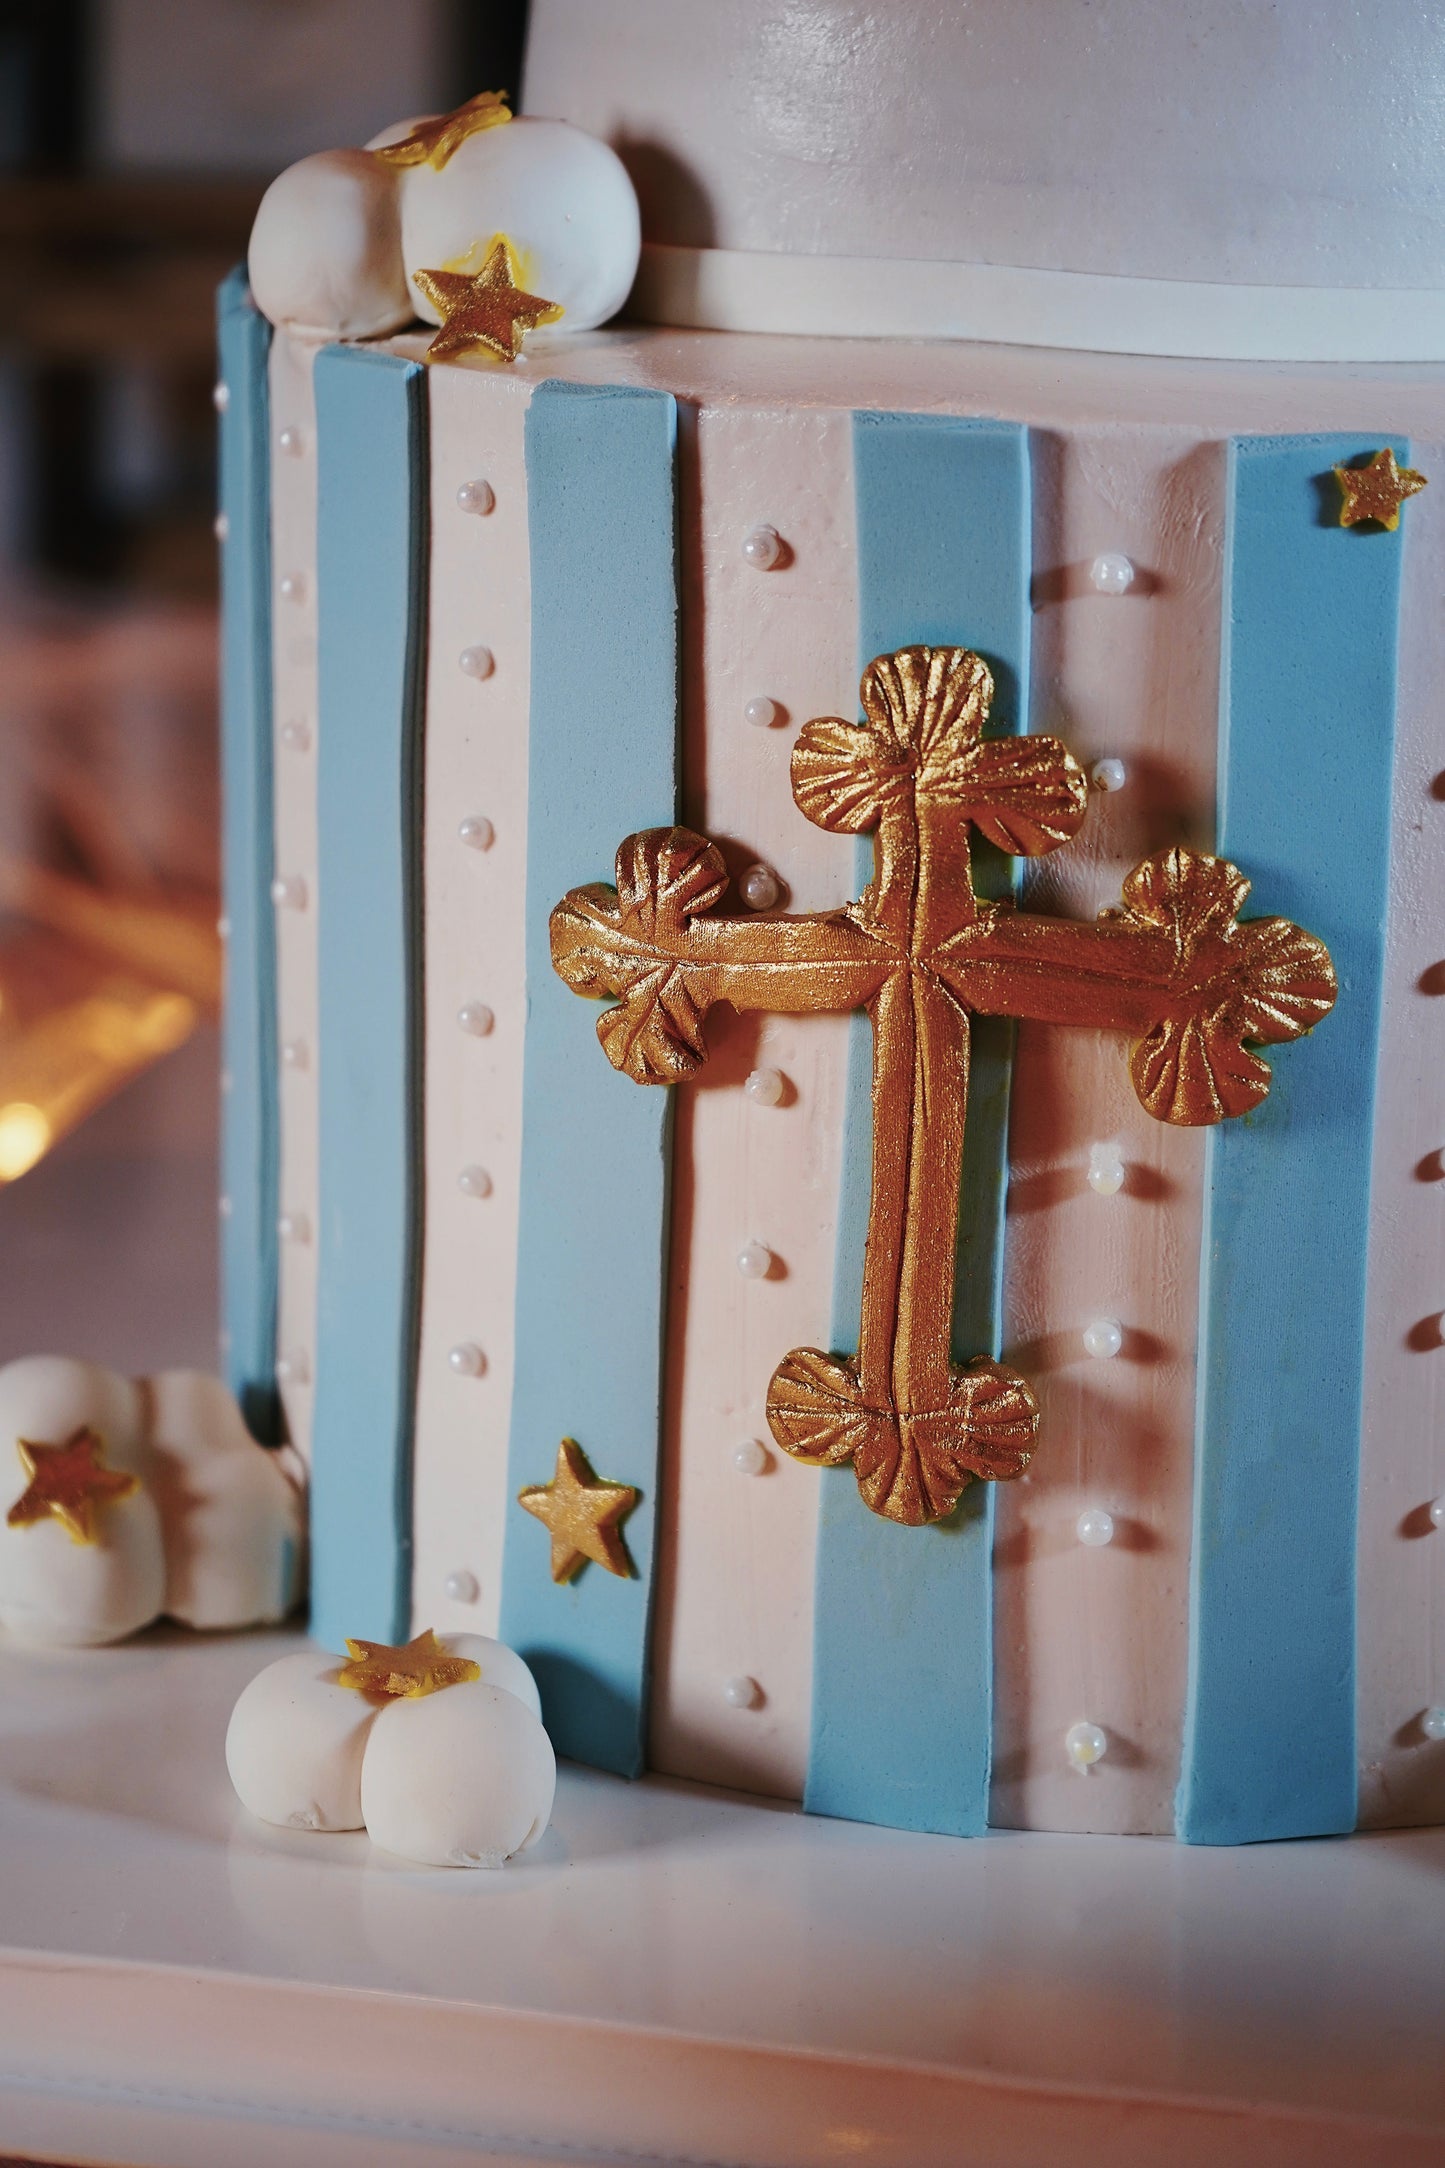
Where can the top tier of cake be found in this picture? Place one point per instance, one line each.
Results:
(1228, 143)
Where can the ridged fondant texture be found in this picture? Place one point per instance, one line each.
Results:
(1227, 141)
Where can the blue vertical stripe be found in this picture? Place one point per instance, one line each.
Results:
(1307, 734)
(601, 497)
(250, 1114)
(371, 580)
(903, 1629)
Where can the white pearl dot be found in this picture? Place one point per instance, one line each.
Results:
(764, 1087)
(293, 1369)
(293, 587)
(288, 892)
(223, 928)
(1432, 1723)
(223, 1206)
(1104, 1337)
(760, 889)
(221, 526)
(762, 713)
(477, 662)
(292, 441)
(755, 1260)
(476, 1017)
(296, 737)
(751, 1457)
(294, 1227)
(1109, 775)
(220, 397)
(461, 1587)
(1095, 1527)
(1437, 1512)
(742, 1693)
(1112, 573)
(294, 1054)
(477, 832)
(1106, 1170)
(1085, 1744)
(762, 548)
(467, 1360)
(476, 497)
(474, 1182)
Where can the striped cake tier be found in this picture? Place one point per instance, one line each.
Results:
(482, 624)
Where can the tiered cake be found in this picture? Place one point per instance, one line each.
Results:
(931, 1175)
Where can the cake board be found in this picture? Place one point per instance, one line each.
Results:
(675, 1975)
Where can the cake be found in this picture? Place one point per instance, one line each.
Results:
(1072, 376)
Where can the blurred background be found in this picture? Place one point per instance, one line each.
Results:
(136, 137)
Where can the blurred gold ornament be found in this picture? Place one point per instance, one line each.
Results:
(432, 142)
(418, 1667)
(68, 1483)
(582, 1514)
(485, 308)
(1377, 490)
(921, 952)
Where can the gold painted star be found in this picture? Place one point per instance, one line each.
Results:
(582, 1515)
(484, 308)
(418, 1667)
(1377, 490)
(68, 1483)
(432, 142)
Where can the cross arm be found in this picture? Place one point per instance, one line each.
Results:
(649, 945)
(1173, 966)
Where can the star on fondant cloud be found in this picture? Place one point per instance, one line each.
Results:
(485, 309)
(432, 142)
(68, 1482)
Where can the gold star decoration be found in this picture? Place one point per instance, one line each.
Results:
(484, 308)
(582, 1514)
(1377, 490)
(418, 1667)
(432, 142)
(68, 1483)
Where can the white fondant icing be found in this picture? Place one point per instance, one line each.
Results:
(233, 1524)
(1401, 1560)
(736, 1558)
(562, 198)
(325, 252)
(1269, 147)
(295, 1743)
(1077, 1628)
(473, 913)
(460, 1778)
(294, 694)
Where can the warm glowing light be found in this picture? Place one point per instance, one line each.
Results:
(24, 1138)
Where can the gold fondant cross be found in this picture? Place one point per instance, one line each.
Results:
(920, 952)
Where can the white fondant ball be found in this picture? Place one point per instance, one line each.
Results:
(55, 1592)
(563, 200)
(232, 1523)
(48, 1397)
(499, 1666)
(325, 251)
(295, 1743)
(460, 1778)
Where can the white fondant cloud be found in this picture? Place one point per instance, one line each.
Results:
(339, 236)
(214, 1536)
(464, 1777)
